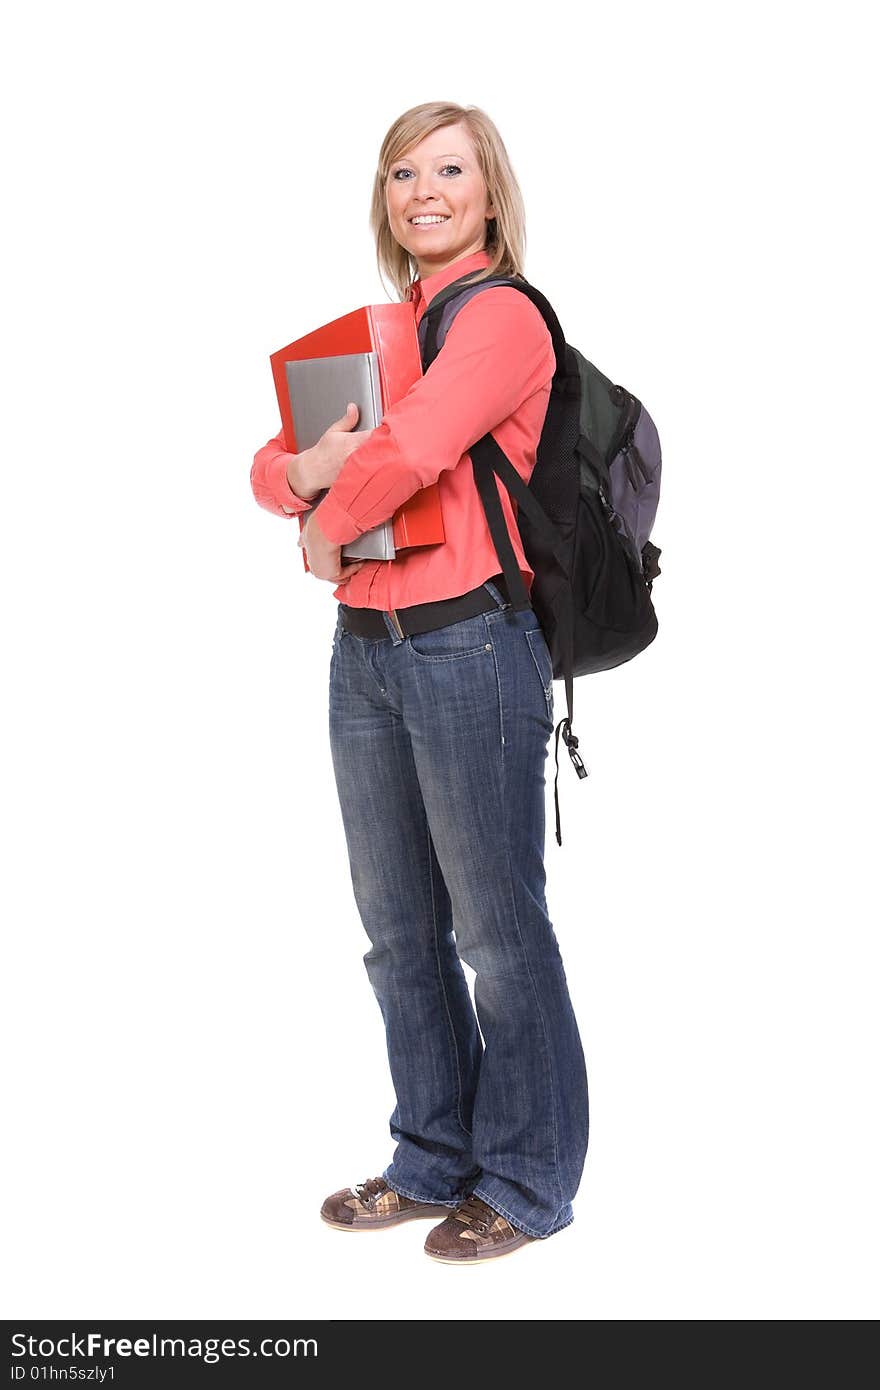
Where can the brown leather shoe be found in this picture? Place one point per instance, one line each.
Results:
(372, 1204)
(473, 1232)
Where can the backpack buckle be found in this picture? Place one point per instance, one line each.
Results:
(571, 744)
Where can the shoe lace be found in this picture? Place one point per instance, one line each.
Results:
(368, 1191)
(476, 1213)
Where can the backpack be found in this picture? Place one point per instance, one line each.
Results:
(585, 516)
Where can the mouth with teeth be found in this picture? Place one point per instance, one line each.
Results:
(428, 220)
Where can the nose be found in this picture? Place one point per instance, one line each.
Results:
(422, 188)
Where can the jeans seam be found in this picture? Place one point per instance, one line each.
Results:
(528, 965)
(452, 1036)
(500, 701)
(548, 689)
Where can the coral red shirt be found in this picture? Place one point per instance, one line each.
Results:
(493, 373)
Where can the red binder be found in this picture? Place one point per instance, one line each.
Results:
(389, 330)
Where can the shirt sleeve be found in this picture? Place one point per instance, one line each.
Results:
(497, 353)
(269, 480)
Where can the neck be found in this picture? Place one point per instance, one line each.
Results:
(433, 267)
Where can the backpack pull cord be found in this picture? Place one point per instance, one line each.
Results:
(564, 725)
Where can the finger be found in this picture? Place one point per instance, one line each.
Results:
(349, 419)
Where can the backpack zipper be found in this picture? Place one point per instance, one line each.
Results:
(621, 396)
(631, 456)
(625, 443)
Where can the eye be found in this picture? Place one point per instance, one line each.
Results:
(409, 171)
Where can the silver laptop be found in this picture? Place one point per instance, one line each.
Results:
(320, 388)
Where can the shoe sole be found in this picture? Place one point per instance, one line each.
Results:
(382, 1222)
(481, 1259)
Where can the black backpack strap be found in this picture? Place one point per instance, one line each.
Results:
(488, 457)
(430, 321)
(464, 289)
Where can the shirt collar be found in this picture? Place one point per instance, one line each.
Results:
(425, 289)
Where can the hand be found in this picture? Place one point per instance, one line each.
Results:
(325, 558)
(319, 467)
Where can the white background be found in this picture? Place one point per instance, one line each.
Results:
(195, 1057)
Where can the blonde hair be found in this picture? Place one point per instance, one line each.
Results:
(505, 232)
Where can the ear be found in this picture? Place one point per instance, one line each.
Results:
(490, 213)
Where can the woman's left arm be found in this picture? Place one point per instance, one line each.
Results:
(270, 479)
(498, 351)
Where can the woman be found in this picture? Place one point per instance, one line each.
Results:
(441, 707)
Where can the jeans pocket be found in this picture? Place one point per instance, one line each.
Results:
(543, 664)
(469, 637)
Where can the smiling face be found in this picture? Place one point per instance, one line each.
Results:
(439, 178)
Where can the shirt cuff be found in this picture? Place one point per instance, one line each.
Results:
(335, 522)
(276, 479)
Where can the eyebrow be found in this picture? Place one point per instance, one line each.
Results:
(406, 159)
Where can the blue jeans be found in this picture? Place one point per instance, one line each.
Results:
(439, 742)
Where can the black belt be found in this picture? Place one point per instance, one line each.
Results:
(422, 617)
